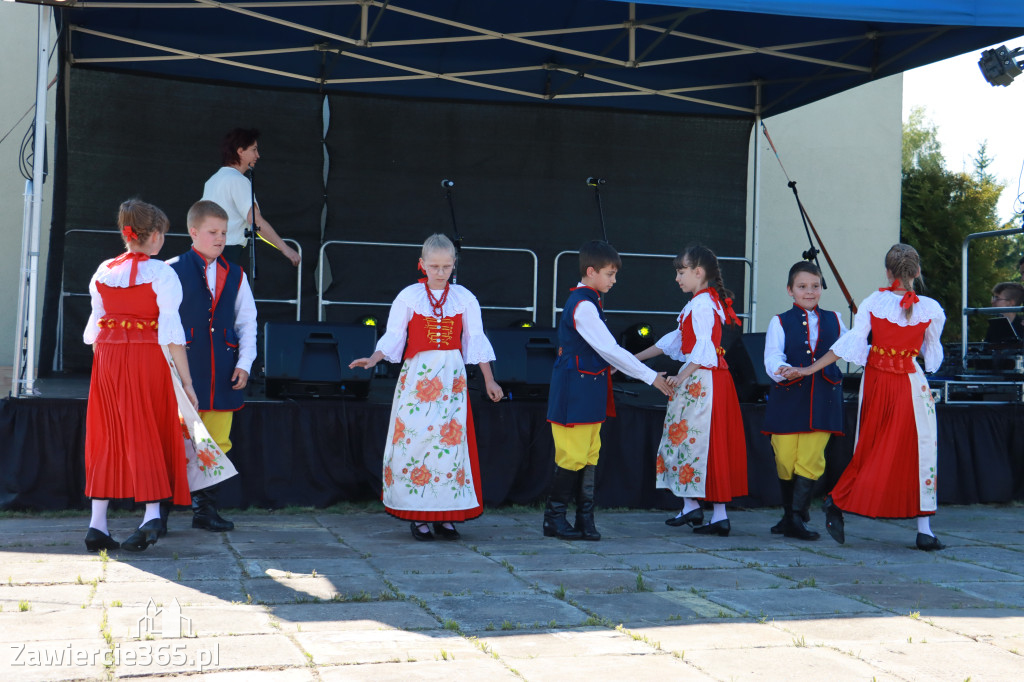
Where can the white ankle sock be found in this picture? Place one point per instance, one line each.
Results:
(924, 525)
(152, 512)
(689, 504)
(99, 516)
(719, 513)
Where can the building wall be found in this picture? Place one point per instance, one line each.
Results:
(844, 154)
(18, 30)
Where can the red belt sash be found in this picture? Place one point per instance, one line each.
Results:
(127, 330)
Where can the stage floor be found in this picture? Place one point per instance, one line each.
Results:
(322, 451)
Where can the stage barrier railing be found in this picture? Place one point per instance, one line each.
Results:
(64, 294)
(323, 302)
(555, 309)
(966, 311)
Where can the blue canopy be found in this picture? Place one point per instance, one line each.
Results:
(711, 57)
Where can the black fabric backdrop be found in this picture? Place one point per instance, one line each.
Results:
(322, 452)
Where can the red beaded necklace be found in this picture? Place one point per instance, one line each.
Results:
(437, 304)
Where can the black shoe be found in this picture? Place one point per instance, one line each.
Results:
(420, 534)
(165, 511)
(95, 540)
(563, 486)
(690, 518)
(834, 520)
(446, 533)
(720, 528)
(928, 543)
(143, 537)
(585, 503)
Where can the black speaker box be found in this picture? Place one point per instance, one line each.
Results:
(524, 358)
(746, 364)
(310, 359)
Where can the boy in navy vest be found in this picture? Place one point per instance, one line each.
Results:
(803, 412)
(580, 396)
(219, 316)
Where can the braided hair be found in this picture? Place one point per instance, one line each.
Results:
(698, 256)
(904, 264)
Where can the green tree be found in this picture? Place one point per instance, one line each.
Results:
(939, 209)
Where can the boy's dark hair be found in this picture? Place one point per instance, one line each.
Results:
(598, 254)
(1011, 290)
(203, 209)
(803, 266)
(239, 138)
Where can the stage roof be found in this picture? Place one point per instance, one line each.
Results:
(695, 56)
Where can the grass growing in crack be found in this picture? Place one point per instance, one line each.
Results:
(641, 584)
(450, 624)
(24, 606)
(799, 642)
(560, 592)
(507, 625)
(806, 582)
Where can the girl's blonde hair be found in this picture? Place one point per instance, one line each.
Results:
(904, 264)
(438, 242)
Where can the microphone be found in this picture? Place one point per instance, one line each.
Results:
(447, 184)
(594, 182)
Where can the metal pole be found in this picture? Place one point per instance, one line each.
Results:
(19, 334)
(755, 216)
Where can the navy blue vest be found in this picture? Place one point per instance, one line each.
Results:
(813, 403)
(579, 379)
(210, 330)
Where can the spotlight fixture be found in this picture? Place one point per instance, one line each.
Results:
(637, 337)
(523, 324)
(1000, 66)
(369, 321)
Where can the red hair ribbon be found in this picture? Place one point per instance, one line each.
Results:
(909, 297)
(135, 257)
(129, 233)
(730, 314)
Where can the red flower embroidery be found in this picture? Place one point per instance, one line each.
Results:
(459, 385)
(420, 475)
(693, 440)
(429, 390)
(389, 478)
(677, 432)
(460, 477)
(206, 457)
(399, 431)
(659, 466)
(694, 389)
(184, 429)
(685, 474)
(451, 433)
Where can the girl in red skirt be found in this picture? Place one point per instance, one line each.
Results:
(703, 452)
(892, 473)
(133, 439)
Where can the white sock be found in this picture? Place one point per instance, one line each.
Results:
(152, 512)
(924, 525)
(99, 516)
(719, 513)
(689, 504)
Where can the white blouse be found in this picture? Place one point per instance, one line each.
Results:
(853, 345)
(702, 310)
(413, 299)
(165, 285)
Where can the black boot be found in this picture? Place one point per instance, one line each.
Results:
(782, 526)
(802, 489)
(204, 511)
(585, 503)
(834, 523)
(165, 511)
(563, 487)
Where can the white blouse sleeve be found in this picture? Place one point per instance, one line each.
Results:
(704, 353)
(932, 346)
(774, 349)
(475, 346)
(853, 345)
(392, 343)
(92, 330)
(671, 344)
(167, 288)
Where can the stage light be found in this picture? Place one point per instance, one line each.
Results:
(369, 321)
(999, 66)
(523, 324)
(637, 337)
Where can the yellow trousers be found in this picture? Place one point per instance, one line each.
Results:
(802, 454)
(576, 446)
(219, 426)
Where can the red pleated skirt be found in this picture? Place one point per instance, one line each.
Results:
(882, 479)
(133, 440)
(727, 450)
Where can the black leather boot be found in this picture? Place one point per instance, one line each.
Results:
(563, 487)
(165, 511)
(585, 503)
(204, 511)
(782, 526)
(802, 489)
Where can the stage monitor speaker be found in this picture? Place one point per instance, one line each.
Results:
(745, 357)
(524, 358)
(310, 359)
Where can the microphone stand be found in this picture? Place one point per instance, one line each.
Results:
(448, 185)
(809, 227)
(252, 231)
(596, 184)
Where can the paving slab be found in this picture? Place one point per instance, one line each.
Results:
(52, 660)
(784, 664)
(685, 558)
(515, 611)
(164, 591)
(735, 578)
(788, 602)
(907, 597)
(588, 641)
(995, 594)
(421, 671)
(297, 590)
(386, 646)
(345, 616)
(652, 666)
(195, 654)
(945, 661)
(853, 632)
(650, 607)
(152, 569)
(723, 634)
(304, 674)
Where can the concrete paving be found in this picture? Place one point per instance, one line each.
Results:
(312, 595)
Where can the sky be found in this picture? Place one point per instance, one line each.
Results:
(966, 111)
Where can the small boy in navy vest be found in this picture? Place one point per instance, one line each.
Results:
(580, 396)
(803, 412)
(219, 316)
